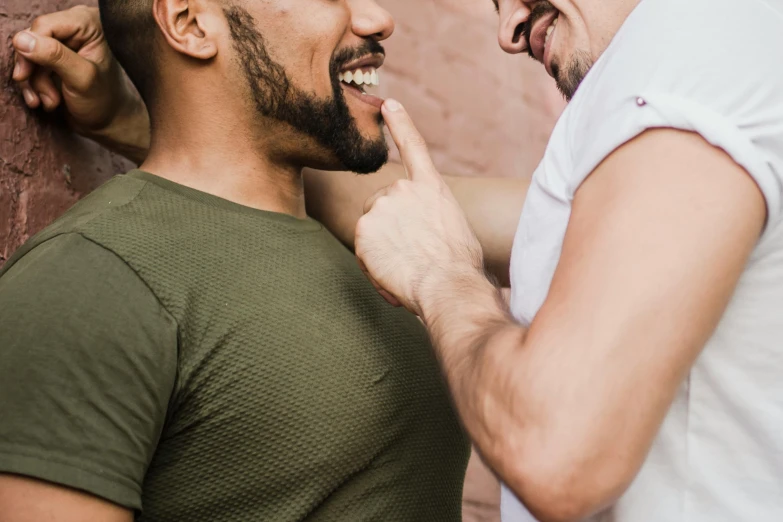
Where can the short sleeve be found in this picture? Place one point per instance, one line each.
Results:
(87, 365)
(695, 79)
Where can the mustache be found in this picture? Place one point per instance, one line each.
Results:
(344, 56)
(540, 10)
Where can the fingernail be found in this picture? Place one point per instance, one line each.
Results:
(16, 70)
(392, 105)
(25, 42)
(47, 101)
(29, 97)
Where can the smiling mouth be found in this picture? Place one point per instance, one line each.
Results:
(360, 78)
(362, 73)
(543, 24)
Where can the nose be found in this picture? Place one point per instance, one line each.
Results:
(370, 20)
(512, 16)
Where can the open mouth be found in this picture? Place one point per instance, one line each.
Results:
(358, 75)
(541, 36)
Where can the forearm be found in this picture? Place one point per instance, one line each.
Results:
(129, 133)
(492, 205)
(337, 199)
(477, 343)
(516, 402)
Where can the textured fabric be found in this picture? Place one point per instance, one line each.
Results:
(706, 66)
(295, 391)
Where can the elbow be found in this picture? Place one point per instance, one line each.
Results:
(561, 486)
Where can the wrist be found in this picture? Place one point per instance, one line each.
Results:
(128, 133)
(449, 289)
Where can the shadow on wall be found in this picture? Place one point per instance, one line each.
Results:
(44, 167)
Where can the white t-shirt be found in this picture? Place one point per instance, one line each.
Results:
(714, 67)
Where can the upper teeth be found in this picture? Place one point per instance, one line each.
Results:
(550, 29)
(367, 77)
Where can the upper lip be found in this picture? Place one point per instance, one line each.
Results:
(538, 34)
(371, 60)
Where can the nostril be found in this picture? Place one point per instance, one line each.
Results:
(518, 32)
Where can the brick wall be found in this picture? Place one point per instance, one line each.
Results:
(44, 168)
(482, 112)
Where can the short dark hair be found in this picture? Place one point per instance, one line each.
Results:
(130, 31)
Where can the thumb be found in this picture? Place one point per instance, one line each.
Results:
(75, 71)
(412, 147)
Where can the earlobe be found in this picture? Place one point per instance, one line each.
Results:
(185, 27)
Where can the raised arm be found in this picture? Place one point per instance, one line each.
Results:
(101, 104)
(493, 207)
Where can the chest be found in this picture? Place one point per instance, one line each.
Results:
(298, 377)
(538, 241)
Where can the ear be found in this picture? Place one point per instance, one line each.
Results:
(184, 24)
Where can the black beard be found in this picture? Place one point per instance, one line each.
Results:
(329, 122)
(574, 72)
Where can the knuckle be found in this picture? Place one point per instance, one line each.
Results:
(38, 24)
(361, 230)
(381, 204)
(401, 185)
(55, 52)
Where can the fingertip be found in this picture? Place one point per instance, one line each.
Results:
(24, 42)
(392, 105)
(22, 69)
(30, 98)
(48, 103)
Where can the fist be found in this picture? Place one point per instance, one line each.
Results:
(70, 46)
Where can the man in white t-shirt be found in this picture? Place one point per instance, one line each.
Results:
(640, 377)
(637, 375)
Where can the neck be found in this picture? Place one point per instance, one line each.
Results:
(224, 158)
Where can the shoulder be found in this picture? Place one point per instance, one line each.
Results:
(70, 276)
(701, 66)
(87, 353)
(115, 194)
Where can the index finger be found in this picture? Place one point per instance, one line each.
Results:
(412, 147)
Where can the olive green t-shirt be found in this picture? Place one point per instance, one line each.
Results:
(198, 360)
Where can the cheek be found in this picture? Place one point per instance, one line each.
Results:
(317, 42)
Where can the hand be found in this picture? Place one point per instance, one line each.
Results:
(414, 240)
(98, 98)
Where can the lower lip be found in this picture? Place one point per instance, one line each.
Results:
(369, 99)
(547, 52)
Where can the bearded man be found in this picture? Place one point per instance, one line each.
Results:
(636, 375)
(185, 344)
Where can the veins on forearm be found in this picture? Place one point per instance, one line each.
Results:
(475, 337)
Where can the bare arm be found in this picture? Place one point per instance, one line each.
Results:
(566, 411)
(101, 104)
(493, 207)
(27, 500)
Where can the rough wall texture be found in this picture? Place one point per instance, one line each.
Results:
(44, 168)
(482, 112)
